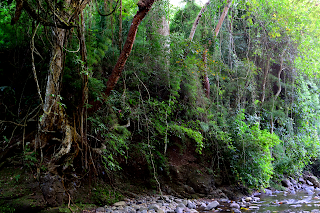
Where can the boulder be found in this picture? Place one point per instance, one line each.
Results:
(211, 206)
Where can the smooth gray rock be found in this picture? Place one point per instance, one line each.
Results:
(211, 205)
(301, 180)
(309, 183)
(235, 205)
(181, 205)
(185, 202)
(120, 203)
(129, 209)
(154, 207)
(293, 181)
(267, 192)
(248, 199)
(178, 210)
(191, 205)
(178, 200)
(101, 209)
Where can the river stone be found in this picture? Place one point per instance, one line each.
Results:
(211, 205)
(120, 203)
(253, 207)
(248, 199)
(313, 180)
(235, 205)
(178, 210)
(301, 180)
(293, 181)
(309, 183)
(267, 192)
(185, 202)
(100, 209)
(202, 206)
(178, 200)
(181, 205)
(160, 211)
(129, 209)
(193, 211)
(154, 207)
(191, 205)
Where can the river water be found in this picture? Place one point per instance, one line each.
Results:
(300, 201)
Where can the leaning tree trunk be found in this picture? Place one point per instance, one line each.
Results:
(144, 7)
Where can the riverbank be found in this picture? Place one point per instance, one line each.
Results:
(20, 191)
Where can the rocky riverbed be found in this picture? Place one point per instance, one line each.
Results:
(307, 185)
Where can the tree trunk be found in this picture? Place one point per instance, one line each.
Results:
(222, 17)
(196, 22)
(144, 7)
(85, 76)
(265, 76)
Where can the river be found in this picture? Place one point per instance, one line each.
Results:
(300, 201)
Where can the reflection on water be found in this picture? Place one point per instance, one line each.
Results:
(299, 201)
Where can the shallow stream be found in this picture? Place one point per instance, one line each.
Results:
(299, 201)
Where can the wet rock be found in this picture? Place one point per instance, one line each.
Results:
(293, 181)
(301, 180)
(235, 206)
(267, 192)
(314, 180)
(202, 206)
(211, 205)
(286, 183)
(120, 203)
(193, 211)
(253, 207)
(309, 183)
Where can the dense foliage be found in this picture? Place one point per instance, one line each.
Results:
(260, 122)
